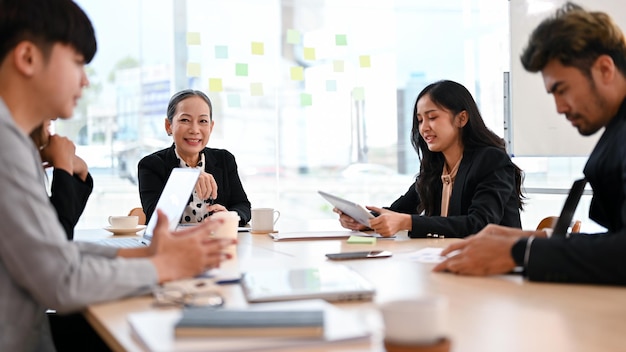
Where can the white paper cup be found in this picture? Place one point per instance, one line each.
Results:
(417, 321)
(124, 222)
(229, 269)
(229, 228)
(264, 219)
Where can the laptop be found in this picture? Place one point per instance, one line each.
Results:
(567, 213)
(329, 282)
(172, 202)
(354, 210)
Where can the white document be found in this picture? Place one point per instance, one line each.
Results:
(155, 329)
(321, 235)
(428, 255)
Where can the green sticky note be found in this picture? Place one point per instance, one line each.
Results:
(364, 61)
(234, 100)
(293, 36)
(241, 69)
(215, 85)
(257, 48)
(338, 65)
(309, 53)
(341, 40)
(193, 38)
(221, 52)
(193, 69)
(256, 89)
(358, 93)
(361, 240)
(331, 85)
(306, 99)
(297, 73)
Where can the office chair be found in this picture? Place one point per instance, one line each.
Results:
(139, 212)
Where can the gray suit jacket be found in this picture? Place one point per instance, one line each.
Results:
(39, 267)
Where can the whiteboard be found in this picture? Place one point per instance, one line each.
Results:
(537, 129)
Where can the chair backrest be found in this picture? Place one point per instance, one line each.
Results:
(549, 222)
(139, 212)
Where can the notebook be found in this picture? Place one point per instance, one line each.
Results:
(172, 202)
(567, 213)
(331, 283)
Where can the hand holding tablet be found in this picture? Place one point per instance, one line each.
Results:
(354, 210)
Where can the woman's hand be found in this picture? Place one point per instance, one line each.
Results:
(214, 208)
(388, 223)
(348, 222)
(59, 153)
(206, 187)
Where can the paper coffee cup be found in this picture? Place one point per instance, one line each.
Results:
(415, 321)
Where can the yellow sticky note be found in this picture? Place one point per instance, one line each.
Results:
(293, 36)
(297, 73)
(338, 65)
(306, 99)
(358, 93)
(215, 85)
(257, 48)
(309, 53)
(361, 240)
(193, 38)
(364, 61)
(256, 89)
(341, 40)
(193, 69)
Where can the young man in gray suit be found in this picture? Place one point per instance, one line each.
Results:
(582, 58)
(44, 45)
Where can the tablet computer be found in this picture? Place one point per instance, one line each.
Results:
(354, 210)
(328, 282)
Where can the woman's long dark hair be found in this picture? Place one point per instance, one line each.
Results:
(455, 98)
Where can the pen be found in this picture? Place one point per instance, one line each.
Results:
(211, 202)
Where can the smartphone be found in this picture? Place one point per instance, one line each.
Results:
(358, 255)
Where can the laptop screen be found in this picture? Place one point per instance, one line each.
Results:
(567, 213)
(174, 198)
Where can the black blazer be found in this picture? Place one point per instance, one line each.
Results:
(155, 169)
(484, 192)
(69, 195)
(592, 258)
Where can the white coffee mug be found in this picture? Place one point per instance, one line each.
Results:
(415, 321)
(124, 222)
(264, 219)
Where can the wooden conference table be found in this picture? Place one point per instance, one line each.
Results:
(501, 313)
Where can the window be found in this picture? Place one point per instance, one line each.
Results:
(307, 94)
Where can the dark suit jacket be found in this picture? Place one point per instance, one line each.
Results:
(155, 169)
(484, 192)
(595, 258)
(69, 195)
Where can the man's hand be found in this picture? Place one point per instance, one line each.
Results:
(188, 252)
(388, 223)
(206, 187)
(486, 253)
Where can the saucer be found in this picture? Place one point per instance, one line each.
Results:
(121, 231)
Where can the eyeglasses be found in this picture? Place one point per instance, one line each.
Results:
(177, 297)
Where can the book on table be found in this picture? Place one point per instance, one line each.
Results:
(199, 321)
